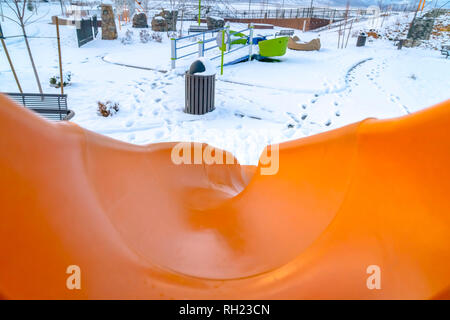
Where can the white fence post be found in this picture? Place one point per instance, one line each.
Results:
(201, 49)
(227, 28)
(173, 55)
(250, 48)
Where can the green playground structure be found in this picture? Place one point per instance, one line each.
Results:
(236, 38)
(267, 48)
(273, 47)
(241, 38)
(224, 40)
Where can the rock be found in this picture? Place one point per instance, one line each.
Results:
(215, 22)
(159, 24)
(410, 43)
(140, 20)
(421, 29)
(109, 31)
(171, 20)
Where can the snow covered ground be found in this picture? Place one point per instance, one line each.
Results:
(257, 103)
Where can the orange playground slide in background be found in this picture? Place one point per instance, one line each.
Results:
(375, 193)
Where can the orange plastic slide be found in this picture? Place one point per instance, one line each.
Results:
(361, 212)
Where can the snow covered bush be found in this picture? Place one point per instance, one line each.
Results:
(173, 34)
(107, 109)
(144, 36)
(56, 82)
(156, 36)
(128, 38)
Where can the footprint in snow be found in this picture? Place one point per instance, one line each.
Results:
(288, 133)
(159, 134)
(243, 135)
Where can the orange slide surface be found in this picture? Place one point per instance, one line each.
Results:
(375, 194)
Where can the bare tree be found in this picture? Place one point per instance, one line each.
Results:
(1, 11)
(180, 6)
(61, 5)
(23, 18)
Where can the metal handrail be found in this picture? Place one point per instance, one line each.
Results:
(201, 43)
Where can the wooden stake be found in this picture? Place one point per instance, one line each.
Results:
(11, 65)
(59, 55)
(339, 34)
(349, 31)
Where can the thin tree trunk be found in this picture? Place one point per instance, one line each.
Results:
(1, 12)
(32, 60)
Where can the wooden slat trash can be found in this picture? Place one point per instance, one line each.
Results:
(200, 92)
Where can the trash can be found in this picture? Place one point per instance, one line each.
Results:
(361, 42)
(200, 87)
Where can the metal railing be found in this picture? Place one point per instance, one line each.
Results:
(203, 44)
(306, 12)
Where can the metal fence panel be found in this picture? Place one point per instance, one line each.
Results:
(95, 25)
(84, 33)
